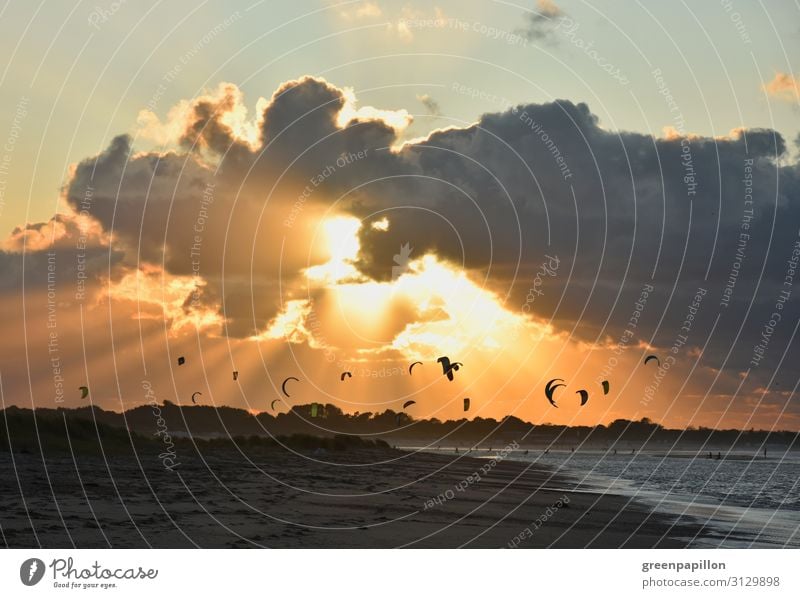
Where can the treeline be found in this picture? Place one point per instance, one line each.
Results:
(395, 428)
(57, 431)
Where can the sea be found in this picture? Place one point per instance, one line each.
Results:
(743, 500)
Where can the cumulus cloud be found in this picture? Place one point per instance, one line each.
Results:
(783, 87)
(540, 23)
(361, 10)
(431, 105)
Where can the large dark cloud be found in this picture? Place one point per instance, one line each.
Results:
(62, 252)
(619, 210)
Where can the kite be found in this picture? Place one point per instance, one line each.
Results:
(181, 360)
(466, 404)
(584, 396)
(194, 394)
(605, 387)
(411, 367)
(649, 357)
(409, 403)
(235, 375)
(283, 385)
(348, 374)
(550, 388)
(272, 405)
(448, 368)
(84, 391)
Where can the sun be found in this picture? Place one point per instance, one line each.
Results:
(340, 239)
(433, 306)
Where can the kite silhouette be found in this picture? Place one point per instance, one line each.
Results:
(348, 374)
(584, 396)
(411, 367)
(181, 360)
(283, 385)
(605, 387)
(550, 388)
(272, 405)
(409, 403)
(448, 368)
(235, 375)
(84, 391)
(196, 394)
(466, 404)
(649, 357)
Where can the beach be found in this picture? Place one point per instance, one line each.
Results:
(357, 498)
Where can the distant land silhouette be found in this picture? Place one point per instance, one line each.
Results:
(27, 427)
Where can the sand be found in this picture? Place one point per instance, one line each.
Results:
(365, 498)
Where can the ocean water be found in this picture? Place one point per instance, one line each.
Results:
(743, 501)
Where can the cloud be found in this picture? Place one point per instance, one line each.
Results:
(174, 209)
(492, 198)
(541, 22)
(361, 10)
(66, 250)
(431, 105)
(783, 87)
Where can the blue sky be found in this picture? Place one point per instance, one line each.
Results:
(89, 69)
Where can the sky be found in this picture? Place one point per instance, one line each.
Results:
(537, 190)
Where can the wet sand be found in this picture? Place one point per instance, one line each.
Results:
(364, 498)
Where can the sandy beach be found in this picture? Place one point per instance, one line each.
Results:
(356, 498)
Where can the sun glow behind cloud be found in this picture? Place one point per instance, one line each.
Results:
(397, 119)
(160, 296)
(340, 237)
(434, 307)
